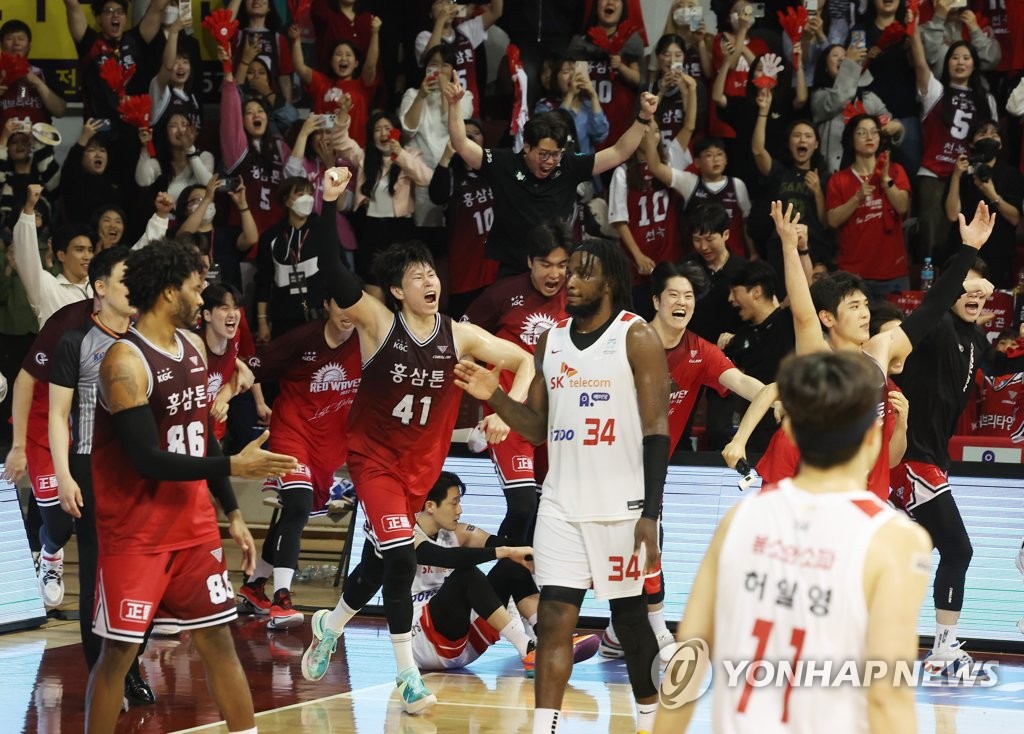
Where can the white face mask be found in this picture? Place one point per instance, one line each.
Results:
(303, 205)
(170, 14)
(210, 213)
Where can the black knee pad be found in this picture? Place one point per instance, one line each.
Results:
(399, 566)
(633, 628)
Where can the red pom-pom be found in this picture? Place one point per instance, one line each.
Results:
(894, 33)
(765, 82)
(298, 8)
(116, 76)
(221, 27)
(12, 68)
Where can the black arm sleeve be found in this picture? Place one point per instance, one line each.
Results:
(941, 297)
(220, 487)
(432, 554)
(656, 455)
(136, 430)
(498, 541)
(440, 188)
(340, 283)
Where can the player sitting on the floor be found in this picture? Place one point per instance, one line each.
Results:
(459, 612)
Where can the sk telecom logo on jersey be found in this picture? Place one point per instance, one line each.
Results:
(566, 378)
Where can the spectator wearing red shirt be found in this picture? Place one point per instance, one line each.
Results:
(336, 21)
(866, 203)
(327, 89)
(29, 96)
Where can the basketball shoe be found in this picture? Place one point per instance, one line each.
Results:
(584, 647)
(416, 697)
(51, 578)
(947, 661)
(610, 647)
(254, 596)
(282, 614)
(317, 657)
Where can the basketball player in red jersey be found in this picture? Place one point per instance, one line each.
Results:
(599, 400)
(858, 601)
(400, 429)
(160, 555)
(839, 304)
(317, 368)
(520, 308)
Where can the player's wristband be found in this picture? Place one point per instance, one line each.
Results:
(656, 454)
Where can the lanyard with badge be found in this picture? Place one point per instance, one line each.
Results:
(297, 278)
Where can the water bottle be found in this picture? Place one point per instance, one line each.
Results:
(1018, 300)
(927, 275)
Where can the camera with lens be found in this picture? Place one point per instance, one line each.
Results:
(982, 152)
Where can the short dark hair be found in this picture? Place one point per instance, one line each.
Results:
(548, 237)
(666, 270)
(830, 291)
(97, 5)
(545, 125)
(446, 50)
(292, 184)
(757, 273)
(706, 143)
(710, 218)
(390, 264)
(445, 481)
(181, 212)
(101, 267)
(979, 266)
(215, 294)
(615, 268)
(831, 400)
(15, 26)
(165, 263)
(882, 312)
(63, 236)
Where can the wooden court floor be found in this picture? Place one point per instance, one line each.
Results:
(44, 678)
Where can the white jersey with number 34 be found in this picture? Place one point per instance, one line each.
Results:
(790, 593)
(595, 441)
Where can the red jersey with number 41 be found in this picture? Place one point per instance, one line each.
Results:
(141, 515)
(407, 404)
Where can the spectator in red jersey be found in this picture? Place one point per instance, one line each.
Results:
(335, 21)
(520, 308)
(29, 97)
(465, 35)
(469, 212)
(348, 73)
(733, 51)
(614, 61)
(950, 105)
(1000, 408)
(259, 26)
(644, 212)
(867, 201)
(317, 367)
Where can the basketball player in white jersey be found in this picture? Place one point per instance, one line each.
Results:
(812, 570)
(599, 400)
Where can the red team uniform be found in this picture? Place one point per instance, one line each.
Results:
(37, 364)
(782, 457)
(326, 94)
(220, 368)
(516, 311)
(691, 363)
(470, 215)
(167, 563)
(1000, 407)
(400, 426)
(944, 143)
(651, 213)
(318, 385)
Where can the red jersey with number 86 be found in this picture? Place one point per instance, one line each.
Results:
(136, 514)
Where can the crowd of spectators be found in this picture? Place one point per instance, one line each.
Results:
(879, 123)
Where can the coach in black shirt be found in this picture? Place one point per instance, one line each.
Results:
(539, 184)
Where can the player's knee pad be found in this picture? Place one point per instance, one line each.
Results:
(399, 566)
(638, 642)
(508, 578)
